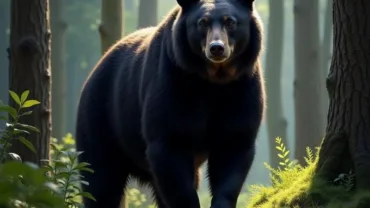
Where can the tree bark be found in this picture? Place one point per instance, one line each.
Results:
(148, 13)
(347, 142)
(58, 29)
(30, 70)
(111, 27)
(326, 50)
(309, 127)
(4, 44)
(129, 5)
(276, 122)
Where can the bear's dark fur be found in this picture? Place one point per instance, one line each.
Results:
(164, 99)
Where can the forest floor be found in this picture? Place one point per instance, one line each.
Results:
(295, 186)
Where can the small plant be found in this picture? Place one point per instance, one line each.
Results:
(25, 184)
(297, 186)
(283, 155)
(289, 180)
(22, 184)
(345, 180)
(14, 129)
(64, 171)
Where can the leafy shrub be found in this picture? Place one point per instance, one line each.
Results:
(27, 185)
(295, 186)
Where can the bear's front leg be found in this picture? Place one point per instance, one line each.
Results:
(228, 167)
(173, 173)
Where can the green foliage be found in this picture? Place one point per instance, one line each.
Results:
(24, 185)
(14, 129)
(294, 185)
(64, 170)
(56, 184)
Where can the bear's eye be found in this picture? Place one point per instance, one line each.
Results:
(202, 23)
(230, 23)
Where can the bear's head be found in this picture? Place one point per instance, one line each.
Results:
(220, 38)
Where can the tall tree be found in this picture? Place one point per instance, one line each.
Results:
(58, 29)
(325, 55)
(129, 5)
(307, 86)
(4, 44)
(347, 142)
(111, 27)
(276, 122)
(148, 13)
(29, 69)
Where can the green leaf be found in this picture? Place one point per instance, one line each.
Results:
(52, 186)
(28, 144)
(87, 195)
(8, 109)
(281, 163)
(58, 165)
(84, 182)
(20, 131)
(24, 96)
(30, 103)
(54, 147)
(81, 165)
(26, 113)
(281, 156)
(286, 153)
(286, 160)
(87, 169)
(62, 175)
(48, 168)
(29, 127)
(15, 97)
(3, 118)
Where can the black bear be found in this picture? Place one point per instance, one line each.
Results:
(165, 99)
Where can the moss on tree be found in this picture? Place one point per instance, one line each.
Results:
(297, 186)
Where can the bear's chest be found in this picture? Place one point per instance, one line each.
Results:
(204, 120)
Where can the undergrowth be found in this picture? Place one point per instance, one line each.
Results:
(294, 186)
(25, 184)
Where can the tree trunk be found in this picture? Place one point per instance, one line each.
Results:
(129, 5)
(307, 86)
(347, 142)
(30, 70)
(148, 13)
(325, 56)
(276, 122)
(58, 29)
(111, 27)
(4, 44)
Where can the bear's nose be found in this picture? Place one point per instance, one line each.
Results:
(217, 48)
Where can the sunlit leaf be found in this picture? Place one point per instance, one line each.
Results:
(15, 97)
(30, 103)
(24, 96)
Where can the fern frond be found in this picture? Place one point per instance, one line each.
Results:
(271, 169)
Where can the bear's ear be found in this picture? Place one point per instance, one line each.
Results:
(187, 3)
